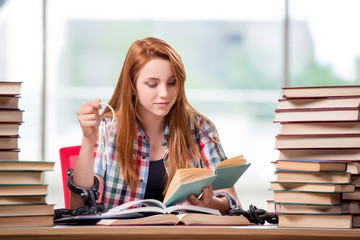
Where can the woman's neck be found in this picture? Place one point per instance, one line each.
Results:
(152, 125)
(154, 129)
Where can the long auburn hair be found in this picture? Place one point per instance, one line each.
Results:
(124, 100)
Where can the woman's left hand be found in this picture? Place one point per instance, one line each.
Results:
(205, 199)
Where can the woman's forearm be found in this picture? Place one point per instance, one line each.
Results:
(84, 171)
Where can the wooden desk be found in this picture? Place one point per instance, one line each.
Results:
(176, 232)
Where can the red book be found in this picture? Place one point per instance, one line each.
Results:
(9, 102)
(10, 88)
(317, 141)
(9, 142)
(11, 115)
(9, 129)
(317, 114)
(321, 91)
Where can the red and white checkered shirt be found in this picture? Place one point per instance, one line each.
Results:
(117, 192)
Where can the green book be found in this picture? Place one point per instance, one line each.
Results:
(228, 176)
(190, 181)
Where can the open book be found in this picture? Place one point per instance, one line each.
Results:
(153, 206)
(154, 212)
(189, 181)
(180, 219)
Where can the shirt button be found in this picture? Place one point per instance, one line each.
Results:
(141, 180)
(143, 156)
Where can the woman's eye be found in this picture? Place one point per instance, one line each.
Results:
(152, 85)
(172, 83)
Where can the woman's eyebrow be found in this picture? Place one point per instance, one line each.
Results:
(152, 79)
(158, 79)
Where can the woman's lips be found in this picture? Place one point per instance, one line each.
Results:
(162, 104)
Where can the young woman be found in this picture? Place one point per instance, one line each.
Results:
(156, 132)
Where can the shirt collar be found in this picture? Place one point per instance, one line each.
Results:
(165, 140)
(139, 131)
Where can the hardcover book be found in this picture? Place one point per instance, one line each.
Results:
(9, 142)
(190, 181)
(26, 165)
(321, 91)
(312, 187)
(11, 115)
(352, 195)
(9, 129)
(316, 115)
(352, 154)
(23, 190)
(317, 141)
(307, 197)
(10, 88)
(27, 221)
(20, 177)
(12, 154)
(316, 220)
(320, 128)
(350, 206)
(353, 167)
(310, 165)
(10, 102)
(41, 199)
(312, 177)
(355, 179)
(309, 208)
(334, 102)
(26, 210)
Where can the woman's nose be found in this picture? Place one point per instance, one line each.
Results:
(163, 90)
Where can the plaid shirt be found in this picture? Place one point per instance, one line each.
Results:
(117, 192)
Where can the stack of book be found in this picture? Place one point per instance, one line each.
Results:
(318, 181)
(22, 193)
(11, 118)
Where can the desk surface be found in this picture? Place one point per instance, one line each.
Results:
(176, 232)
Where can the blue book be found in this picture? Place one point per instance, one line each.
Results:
(188, 181)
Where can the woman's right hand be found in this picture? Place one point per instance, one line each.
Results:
(89, 119)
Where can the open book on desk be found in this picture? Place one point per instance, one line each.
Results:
(153, 206)
(154, 212)
(188, 181)
(194, 219)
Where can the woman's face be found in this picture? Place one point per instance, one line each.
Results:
(156, 88)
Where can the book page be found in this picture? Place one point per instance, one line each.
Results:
(232, 161)
(186, 175)
(187, 208)
(214, 220)
(183, 191)
(160, 219)
(146, 205)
